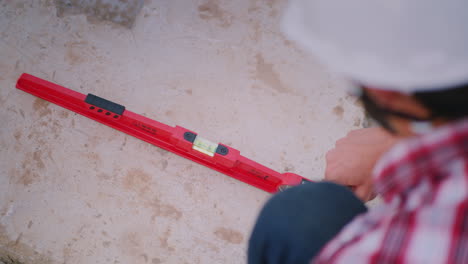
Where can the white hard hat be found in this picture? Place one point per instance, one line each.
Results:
(401, 45)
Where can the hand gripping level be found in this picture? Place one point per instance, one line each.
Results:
(178, 140)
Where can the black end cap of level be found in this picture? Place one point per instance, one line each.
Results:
(222, 150)
(189, 136)
(105, 104)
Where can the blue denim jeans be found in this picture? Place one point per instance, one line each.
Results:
(294, 225)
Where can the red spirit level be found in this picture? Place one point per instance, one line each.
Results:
(177, 139)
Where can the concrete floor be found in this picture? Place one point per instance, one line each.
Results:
(74, 191)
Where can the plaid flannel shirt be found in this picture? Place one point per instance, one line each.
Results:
(424, 216)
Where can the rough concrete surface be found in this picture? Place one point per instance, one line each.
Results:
(75, 191)
(122, 12)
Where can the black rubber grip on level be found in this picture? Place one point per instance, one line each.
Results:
(105, 104)
(222, 150)
(189, 136)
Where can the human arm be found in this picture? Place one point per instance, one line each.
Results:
(352, 160)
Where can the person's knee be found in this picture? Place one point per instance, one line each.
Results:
(303, 217)
(313, 196)
(308, 205)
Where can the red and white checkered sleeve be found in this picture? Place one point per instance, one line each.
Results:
(429, 225)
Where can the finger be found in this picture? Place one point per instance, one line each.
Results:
(342, 141)
(339, 173)
(334, 172)
(358, 132)
(338, 153)
(364, 192)
(330, 154)
(339, 178)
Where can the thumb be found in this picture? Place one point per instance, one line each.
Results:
(365, 192)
